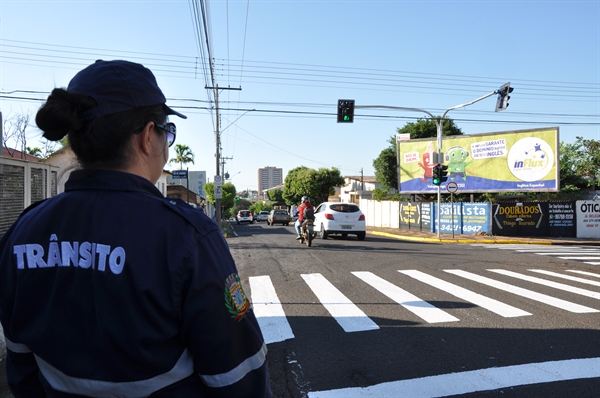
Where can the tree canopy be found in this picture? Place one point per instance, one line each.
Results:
(317, 184)
(183, 155)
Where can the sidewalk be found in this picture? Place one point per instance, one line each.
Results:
(421, 236)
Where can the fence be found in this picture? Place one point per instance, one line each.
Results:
(21, 184)
(552, 219)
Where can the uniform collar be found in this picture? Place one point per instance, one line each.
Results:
(109, 180)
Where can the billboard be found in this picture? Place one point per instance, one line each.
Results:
(517, 161)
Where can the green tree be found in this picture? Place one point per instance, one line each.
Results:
(275, 195)
(260, 206)
(386, 171)
(183, 155)
(571, 179)
(386, 164)
(37, 152)
(426, 128)
(317, 184)
(227, 201)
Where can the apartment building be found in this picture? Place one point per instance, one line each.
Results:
(269, 177)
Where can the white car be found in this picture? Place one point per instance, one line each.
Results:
(245, 216)
(262, 216)
(340, 218)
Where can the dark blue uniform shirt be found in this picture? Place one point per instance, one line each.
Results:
(112, 290)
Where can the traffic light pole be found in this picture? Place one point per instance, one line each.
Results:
(438, 123)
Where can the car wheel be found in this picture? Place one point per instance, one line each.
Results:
(322, 232)
(361, 235)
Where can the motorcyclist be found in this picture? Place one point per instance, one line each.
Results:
(305, 204)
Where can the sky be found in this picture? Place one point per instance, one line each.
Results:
(282, 65)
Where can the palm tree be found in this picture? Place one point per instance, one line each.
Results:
(184, 155)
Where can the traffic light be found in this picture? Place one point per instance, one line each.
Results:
(443, 171)
(503, 97)
(345, 113)
(439, 174)
(435, 176)
(237, 198)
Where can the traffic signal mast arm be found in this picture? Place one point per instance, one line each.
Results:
(439, 169)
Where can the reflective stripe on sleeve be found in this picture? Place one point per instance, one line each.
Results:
(98, 388)
(16, 347)
(238, 373)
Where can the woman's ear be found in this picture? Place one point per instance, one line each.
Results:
(143, 140)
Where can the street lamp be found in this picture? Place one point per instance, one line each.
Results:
(228, 177)
(504, 90)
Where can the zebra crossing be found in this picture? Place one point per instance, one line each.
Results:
(351, 318)
(586, 254)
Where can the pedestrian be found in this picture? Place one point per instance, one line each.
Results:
(111, 289)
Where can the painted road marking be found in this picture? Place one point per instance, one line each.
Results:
(420, 308)
(568, 277)
(542, 298)
(268, 310)
(347, 314)
(490, 304)
(584, 273)
(556, 285)
(475, 380)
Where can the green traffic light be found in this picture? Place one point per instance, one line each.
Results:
(436, 181)
(346, 118)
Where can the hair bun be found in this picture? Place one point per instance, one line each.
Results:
(62, 113)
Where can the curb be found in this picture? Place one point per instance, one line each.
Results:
(463, 241)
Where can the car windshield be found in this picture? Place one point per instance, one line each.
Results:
(345, 208)
(244, 214)
(281, 212)
(264, 212)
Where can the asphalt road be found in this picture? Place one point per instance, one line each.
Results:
(442, 340)
(350, 324)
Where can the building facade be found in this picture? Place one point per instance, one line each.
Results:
(197, 180)
(269, 177)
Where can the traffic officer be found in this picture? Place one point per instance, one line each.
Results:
(111, 289)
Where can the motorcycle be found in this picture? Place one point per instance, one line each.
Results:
(307, 232)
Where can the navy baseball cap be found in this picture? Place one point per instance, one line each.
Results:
(118, 86)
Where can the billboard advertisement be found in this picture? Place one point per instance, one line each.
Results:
(516, 161)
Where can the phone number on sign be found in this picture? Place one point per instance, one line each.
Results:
(466, 228)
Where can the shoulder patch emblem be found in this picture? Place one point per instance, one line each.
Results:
(236, 301)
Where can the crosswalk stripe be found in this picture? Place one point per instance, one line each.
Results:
(490, 304)
(268, 310)
(474, 381)
(584, 273)
(347, 314)
(420, 308)
(592, 262)
(580, 258)
(556, 285)
(566, 253)
(543, 298)
(568, 277)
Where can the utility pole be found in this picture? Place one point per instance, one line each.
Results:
(218, 149)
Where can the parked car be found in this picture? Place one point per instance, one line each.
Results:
(245, 216)
(262, 216)
(279, 216)
(341, 219)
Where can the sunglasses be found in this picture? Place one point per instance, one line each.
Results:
(171, 131)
